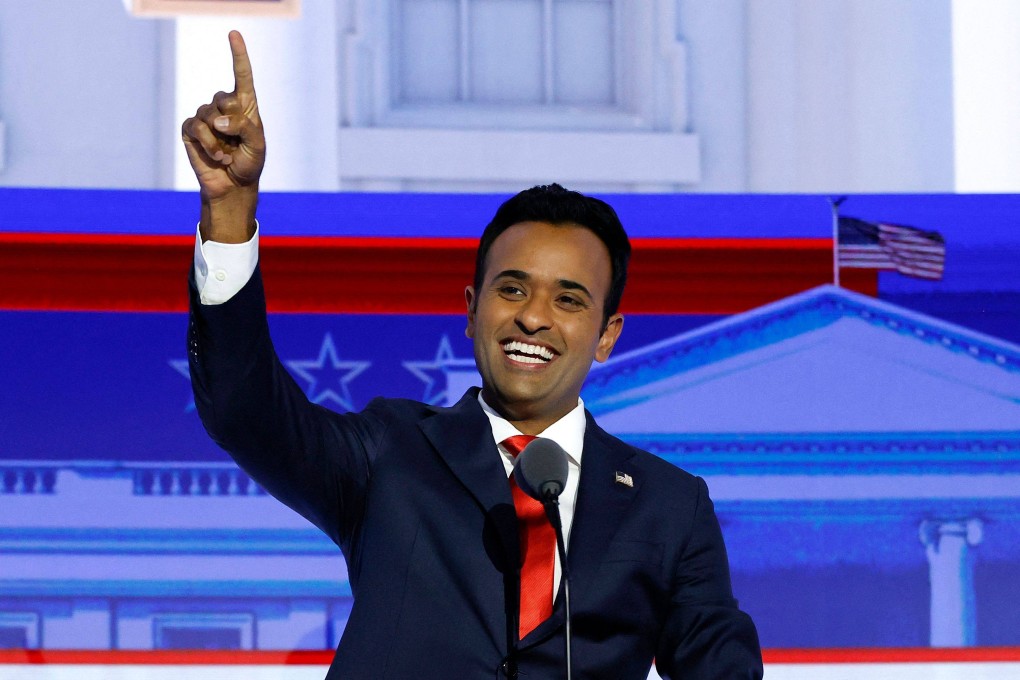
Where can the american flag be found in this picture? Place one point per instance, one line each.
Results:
(910, 251)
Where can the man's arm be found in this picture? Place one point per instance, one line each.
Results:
(314, 460)
(706, 636)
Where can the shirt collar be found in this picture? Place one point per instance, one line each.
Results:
(568, 431)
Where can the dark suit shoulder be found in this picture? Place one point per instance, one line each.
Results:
(410, 410)
(652, 465)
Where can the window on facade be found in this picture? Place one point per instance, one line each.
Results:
(13, 637)
(560, 52)
(19, 630)
(204, 631)
(174, 637)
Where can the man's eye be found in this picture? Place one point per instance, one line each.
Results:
(570, 301)
(511, 290)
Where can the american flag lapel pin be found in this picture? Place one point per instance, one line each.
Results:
(625, 479)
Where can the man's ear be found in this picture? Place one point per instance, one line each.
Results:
(469, 298)
(611, 333)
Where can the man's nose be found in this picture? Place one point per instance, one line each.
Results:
(534, 314)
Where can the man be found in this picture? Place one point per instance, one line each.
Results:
(448, 583)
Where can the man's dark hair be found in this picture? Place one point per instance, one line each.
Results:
(553, 204)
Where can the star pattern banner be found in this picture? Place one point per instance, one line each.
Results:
(96, 386)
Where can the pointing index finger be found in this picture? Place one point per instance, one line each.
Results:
(243, 82)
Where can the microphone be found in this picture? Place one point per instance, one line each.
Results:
(541, 470)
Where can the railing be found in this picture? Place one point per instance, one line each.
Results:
(27, 479)
(216, 480)
(146, 479)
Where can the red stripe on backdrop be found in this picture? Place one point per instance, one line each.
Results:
(304, 658)
(165, 657)
(892, 655)
(89, 272)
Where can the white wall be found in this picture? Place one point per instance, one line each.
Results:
(986, 59)
(771, 95)
(81, 88)
(296, 79)
(849, 96)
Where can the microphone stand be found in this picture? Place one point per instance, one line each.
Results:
(552, 510)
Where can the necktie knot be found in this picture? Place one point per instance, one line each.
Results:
(515, 444)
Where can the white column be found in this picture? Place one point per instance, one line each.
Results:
(717, 84)
(951, 575)
(294, 62)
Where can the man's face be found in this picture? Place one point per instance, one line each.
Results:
(536, 321)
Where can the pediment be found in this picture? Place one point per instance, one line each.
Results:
(827, 360)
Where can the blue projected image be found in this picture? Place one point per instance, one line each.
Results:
(863, 454)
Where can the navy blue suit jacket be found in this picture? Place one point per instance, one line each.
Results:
(417, 498)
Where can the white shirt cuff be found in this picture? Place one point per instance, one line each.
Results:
(222, 269)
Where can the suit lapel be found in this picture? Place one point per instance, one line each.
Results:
(601, 505)
(462, 437)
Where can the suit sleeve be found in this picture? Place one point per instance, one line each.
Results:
(706, 636)
(314, 460)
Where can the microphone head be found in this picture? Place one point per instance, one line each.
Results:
(541, 469)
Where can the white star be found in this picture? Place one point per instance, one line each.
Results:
(437, 371)
(328, 376)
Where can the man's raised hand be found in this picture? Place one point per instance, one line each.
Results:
(227, 149)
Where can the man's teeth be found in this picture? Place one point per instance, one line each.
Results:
(528, 354)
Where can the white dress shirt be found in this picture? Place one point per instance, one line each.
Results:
(222, 269)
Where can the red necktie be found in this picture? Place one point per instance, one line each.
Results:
(538, 549)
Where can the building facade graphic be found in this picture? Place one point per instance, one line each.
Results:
(864, 460)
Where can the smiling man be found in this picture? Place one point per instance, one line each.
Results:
(538, 311)
(451, 568)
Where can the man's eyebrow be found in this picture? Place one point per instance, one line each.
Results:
(574, 285)
(512, 274)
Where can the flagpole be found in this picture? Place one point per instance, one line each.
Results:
(835, 203)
